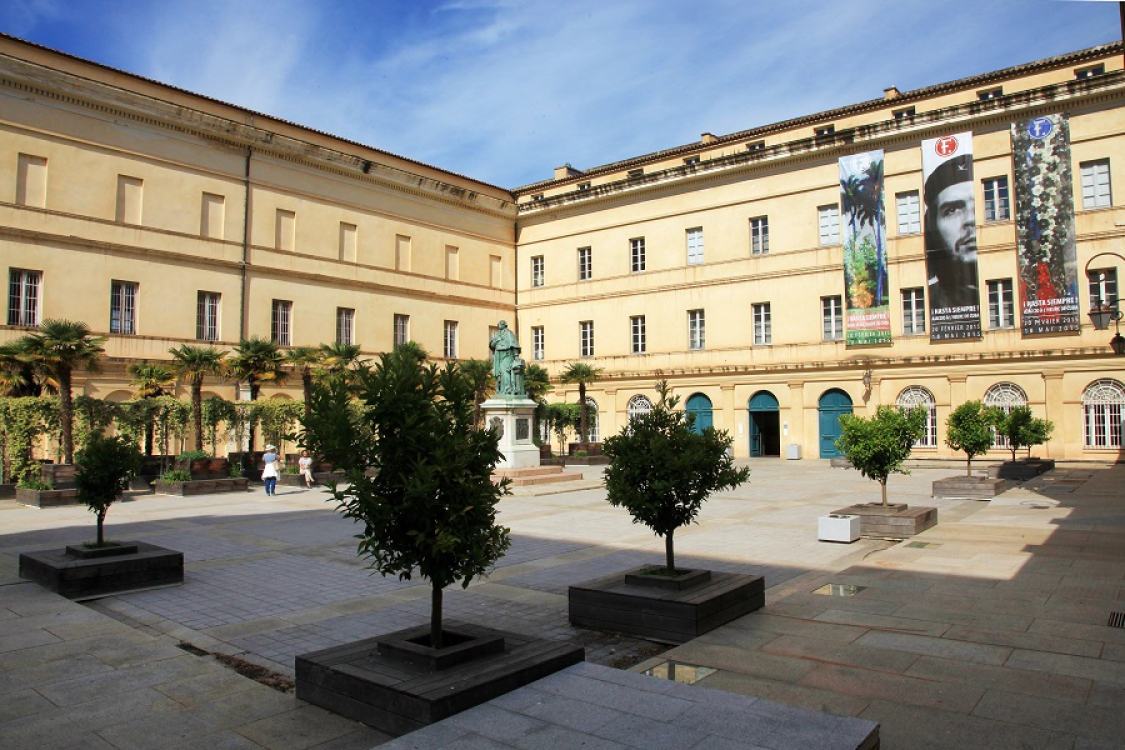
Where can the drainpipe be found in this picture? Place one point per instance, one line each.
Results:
(516, 280)
(242, 305)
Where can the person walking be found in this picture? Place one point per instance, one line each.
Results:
(305, 464)
(269, 473)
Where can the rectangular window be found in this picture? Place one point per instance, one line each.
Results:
(637, 254)
(909, 212)
(130, 194)
(450, 348)
(583, 186)
(1001, 307)
(281, 325)
(902, 114)
(1103, 286)
(691, 160)
(1095, 184)
(207, 316)
(832, 318)
(987, 94)
(1090, 72)
(348, 242)
(212, 214)
(695, 246)
(755, 146)
(285, 230)
(634, 174)
(402, 329)
(538, 341)
(537, 271)
(996, 199)
(402, 252)
(637, 334)
(24, 293)
(913, 312)
(31, 181)
(696, 330)
(824, 130)
(763, 328)
(345, 325)
(585, 263)
(829, 221)
(759, 235)
(586, 338)
(123, 307)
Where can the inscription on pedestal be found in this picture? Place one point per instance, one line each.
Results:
(523, 429)
(497, 424)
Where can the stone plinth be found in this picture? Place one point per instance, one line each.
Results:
(894, 521)
(83, 573)
(513, 418)
(659, 609)
(535, 475)
(397, 684)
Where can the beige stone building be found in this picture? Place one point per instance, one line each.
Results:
(161, 217)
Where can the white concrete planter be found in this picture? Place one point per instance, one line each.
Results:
(837, 528)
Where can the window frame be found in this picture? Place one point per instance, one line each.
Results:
(208, 309)
(345, 326)
(538, 271)
(910, 220)
(828, 224)
(763, 323)
(998, 207)
(1102, 286)
(832, 318)
(638, 335)
(586, 338)
(1092, 194)
(123, 307)
(449, 339)
(1001, 305)
(695, 246)
(538, 343)
(915, 314)
(585, 263)
(759, 235)
(637, 260)
(697, 330)
(400, 333)
(25, 297)
(281, 322)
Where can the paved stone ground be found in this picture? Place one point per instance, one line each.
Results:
(1006, 618)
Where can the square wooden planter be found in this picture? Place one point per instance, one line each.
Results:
(661, 609)
(81, 573)
(397, 684)
(974, 488)
(1023, 469)
(47, 498)
(203, 487)
(893, 521)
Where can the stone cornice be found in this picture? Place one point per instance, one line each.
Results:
(35, 80)
(884, 134)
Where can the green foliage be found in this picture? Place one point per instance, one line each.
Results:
(193, 456)
(560, 419)
(1022, 429)
(878, 446)
(279, 418)
(22, 421)
(91, 417)
(582, 374)
(430, 508)
(478, 372)
(291, 469)
(193, 364)
(662, 470)
(969, 429)
(38, 484)
(257, 361)
(214, 411)
(175, 475)
(536, 381)
(105, 466)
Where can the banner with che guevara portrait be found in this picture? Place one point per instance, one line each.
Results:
(863, 229)
(1048, 262)
(952, 287)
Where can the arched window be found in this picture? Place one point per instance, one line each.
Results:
(1004, 396)
(638, 405)
(592, 421)
(914, 396)
(1103, 409)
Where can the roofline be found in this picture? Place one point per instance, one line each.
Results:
(1068, 58)
(252, 113)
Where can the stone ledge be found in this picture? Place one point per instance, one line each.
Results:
(102, 573)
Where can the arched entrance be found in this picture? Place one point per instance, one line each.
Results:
(765, 425)
(700, 406)
(832, 404)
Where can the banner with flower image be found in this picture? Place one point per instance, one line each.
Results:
(1048, 263)
(863, 230)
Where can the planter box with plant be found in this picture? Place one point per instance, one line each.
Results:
(427, 509)
(1021, 429)
(103, 567)
(969, 429)
(180, 482)
(661, 472)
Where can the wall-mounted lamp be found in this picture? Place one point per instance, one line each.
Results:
(867, 379)
(1101, 313)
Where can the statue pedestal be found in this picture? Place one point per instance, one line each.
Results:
(513, 417)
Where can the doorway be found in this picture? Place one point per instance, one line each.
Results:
(765, 425)
(700, 406)
(832, 404)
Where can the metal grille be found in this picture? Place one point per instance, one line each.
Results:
(1116, 619)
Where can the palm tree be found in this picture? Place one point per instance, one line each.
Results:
(17, 374)
(257, 360)
(151, 381)
(536, 381)
(478, 372)
(193, 363)
(872, 211)
(582, 374)
(304, 359)
(57, 349)
(342, 360)
(851, 196)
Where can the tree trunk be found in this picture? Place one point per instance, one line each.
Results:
(197, 413)
(66, 415)
(969, 466)
(306, 385)
(883, 486)
(1014, 448)
(150, 438)
(101, 524)
(251, 432)
(669, 552)
(583, 429)
(435, 617)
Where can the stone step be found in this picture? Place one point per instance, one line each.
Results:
(528, 471)
(544, 479)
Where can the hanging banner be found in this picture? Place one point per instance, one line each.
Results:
(1048, 263)
(951, 237)
(863, 229)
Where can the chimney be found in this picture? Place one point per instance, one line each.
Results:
(561, 173)
(708, 138)
(891, 93)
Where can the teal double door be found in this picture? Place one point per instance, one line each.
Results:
(832, 405)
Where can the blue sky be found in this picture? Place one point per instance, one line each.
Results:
(504, 91)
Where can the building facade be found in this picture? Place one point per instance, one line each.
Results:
(776, 277)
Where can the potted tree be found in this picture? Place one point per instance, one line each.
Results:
(662, 471)
(1022, 429)
(105, 466)
(582, 374)
(969, 429)
(878, 446)
(428, 509)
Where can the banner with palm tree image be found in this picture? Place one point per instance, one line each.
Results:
(864, 234)
(1048, 264)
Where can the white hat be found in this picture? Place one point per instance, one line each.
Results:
(271, 447)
